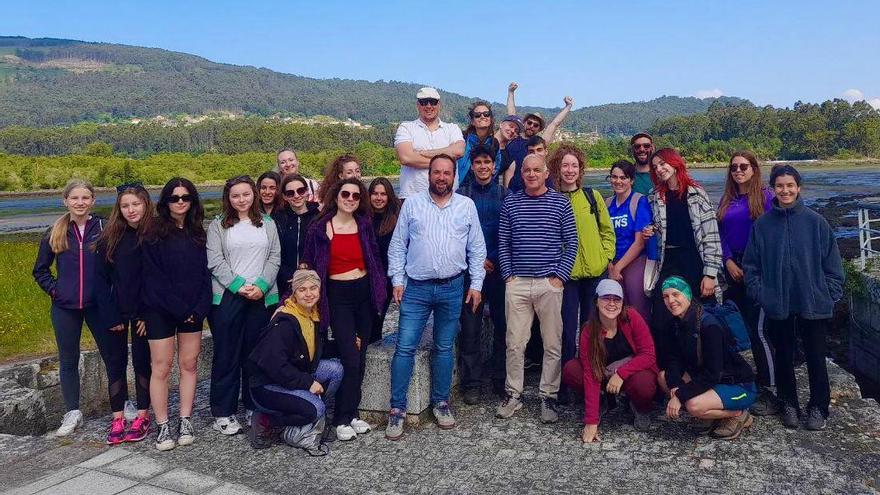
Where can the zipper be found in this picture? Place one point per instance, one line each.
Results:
(297, 243)
(79, 239)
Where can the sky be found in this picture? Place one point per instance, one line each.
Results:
(771, 52)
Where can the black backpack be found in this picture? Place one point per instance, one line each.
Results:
(594, 208)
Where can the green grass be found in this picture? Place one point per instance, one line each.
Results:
(25, 327)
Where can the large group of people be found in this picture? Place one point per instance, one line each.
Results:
(295, 276)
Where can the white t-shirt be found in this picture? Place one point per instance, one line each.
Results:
(248, 248)
(415, 180)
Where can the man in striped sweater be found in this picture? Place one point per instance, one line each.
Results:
(537, 244)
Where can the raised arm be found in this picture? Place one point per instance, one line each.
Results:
(511, 104)
(550, 131)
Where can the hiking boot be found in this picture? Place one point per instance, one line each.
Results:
(186, 434)
(71, 421)
(164, 440)
(445, 419)
(116, 433)
(790, 417)
(766, 405)
(360, 426)
(227, 426)
(702, 426)
(548, 410)
(731, 428)
(260, 432)
(138, 430)
(641, 421)
(815, 419)
(508, 407)
(396, 419)
(471, 396)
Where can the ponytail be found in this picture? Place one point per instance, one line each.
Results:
(58, 234)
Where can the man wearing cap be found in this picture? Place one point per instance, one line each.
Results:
(437, 238)
(642, 145)
(534, 122)
(417, 141)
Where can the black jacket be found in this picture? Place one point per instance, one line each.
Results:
(118, 283)
(176, 279)
(73, 285)
(717, 362)
(281, 356)
(292, 229)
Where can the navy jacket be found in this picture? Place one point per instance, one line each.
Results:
(73, 285)
(292, 228)
(792, 264)
(488, 199)
(118, 283)
(281, 356)
(176, 280)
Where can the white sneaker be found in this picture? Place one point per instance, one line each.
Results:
(227, 426)
(131, 411)
(248, 415)
(70, 422)
(345, 433)
(360, 426)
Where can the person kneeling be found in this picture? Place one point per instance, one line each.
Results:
(616, 350)
(289, 379)
(704, 372)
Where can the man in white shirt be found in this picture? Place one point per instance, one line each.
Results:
(416, 142)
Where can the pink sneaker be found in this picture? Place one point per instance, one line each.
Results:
(116, 435)
(139, 429)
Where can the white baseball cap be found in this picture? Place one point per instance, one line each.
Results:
(427, 92)
(608, 287)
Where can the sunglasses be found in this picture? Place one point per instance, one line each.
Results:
(299, 191)
(186, 198)
(742, 166)
(642, 146)
(356, 196)
(477, 115)
(429, 101)
(533, 123)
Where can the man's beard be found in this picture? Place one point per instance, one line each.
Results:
(434, 190)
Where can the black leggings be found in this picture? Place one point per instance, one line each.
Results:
(67, 324)
(756, 324)
(351, 316)
(783, 334)
(114, 351)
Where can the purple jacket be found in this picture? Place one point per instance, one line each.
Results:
(317, 255)
(736, 225)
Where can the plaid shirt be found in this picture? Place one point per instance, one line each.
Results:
(703, 223)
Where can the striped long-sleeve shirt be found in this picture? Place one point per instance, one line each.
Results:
(537, 236)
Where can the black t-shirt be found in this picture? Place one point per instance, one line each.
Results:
(679, 232)
(617, 348)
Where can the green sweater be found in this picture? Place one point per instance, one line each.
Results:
(596, 243)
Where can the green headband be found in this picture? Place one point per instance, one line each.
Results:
(678, 284)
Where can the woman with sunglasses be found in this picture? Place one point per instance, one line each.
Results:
(176, 299)
(341, 247)
(345, 166)
(118, 292)
(745, 199)
(293, 220)
(67, 244)
(630, 213)
(617, 352)
(269, 184)
(687, 237)
(243, 255)
(386, 208)
(480, 132)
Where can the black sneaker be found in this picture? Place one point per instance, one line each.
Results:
(766, 405)
(790, 417)
(815, 419)
(471, 396)
(260, 432)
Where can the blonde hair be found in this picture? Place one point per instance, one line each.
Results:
(58, 234)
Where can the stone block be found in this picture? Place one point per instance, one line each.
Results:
(93, 483)
(136, 466)
(22, 410)
(106, 457)
(185, 481)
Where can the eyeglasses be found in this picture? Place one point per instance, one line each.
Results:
(477, 115)
(186, 198)
(642, 146)
(611, 299)
(429, 101)
(299, 191)
(612, 178)
(742, 167)
(356, 196)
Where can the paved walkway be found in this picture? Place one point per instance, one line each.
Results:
(482, 455)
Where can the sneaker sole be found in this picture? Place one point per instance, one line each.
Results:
(393, 439)
(184, 441)
(135, 439)
(515, 409)
(225, 431)
(165, 446)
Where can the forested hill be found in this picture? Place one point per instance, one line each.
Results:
(48, 81)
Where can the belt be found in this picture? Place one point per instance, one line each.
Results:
(440, 281)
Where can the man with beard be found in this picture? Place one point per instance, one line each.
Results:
(642, 145)
(534, 122)
(437, 238)
(418, 141)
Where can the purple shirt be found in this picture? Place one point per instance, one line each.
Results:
(736, 225)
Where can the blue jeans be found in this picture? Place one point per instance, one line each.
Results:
(420, 298)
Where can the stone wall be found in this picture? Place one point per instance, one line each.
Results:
(864, 335)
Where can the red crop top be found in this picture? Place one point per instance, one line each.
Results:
(345, 252)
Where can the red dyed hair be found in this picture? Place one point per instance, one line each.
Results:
(673, 158)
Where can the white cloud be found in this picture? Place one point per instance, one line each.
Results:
(852, 95)
(874, 102)
(709, 93)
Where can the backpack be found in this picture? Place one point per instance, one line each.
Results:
(633, 203)
(728, 314)
(594, 208)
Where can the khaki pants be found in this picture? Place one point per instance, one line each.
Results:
(524, 297)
